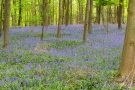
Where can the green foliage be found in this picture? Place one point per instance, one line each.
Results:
(63, 44)
(106, 2)
(1, 42)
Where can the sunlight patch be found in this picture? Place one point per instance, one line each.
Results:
(40, 48)
(77, 75)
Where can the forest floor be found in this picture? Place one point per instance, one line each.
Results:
(67, 64)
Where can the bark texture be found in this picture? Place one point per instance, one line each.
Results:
(44, 16)
(1, 11)
(90, 17)
(86, 21)
(59, 23)
(20, 12)
(127, 65)
(120, 14)
(98, 12)
(6, 22)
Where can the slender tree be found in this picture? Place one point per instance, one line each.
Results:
(1, 11)
(71, 18)
(86, 21)
(67, 13)
(109, 12)
(120, 14)
(115, 14)
(98, 12)
(14, 13)
(20, 12)
(53, 18)
(6, 22)
(33, 12)
(90, 17)
(59, 22)
(44, 16)
(80, 11)
(63, 11)
(127, 65)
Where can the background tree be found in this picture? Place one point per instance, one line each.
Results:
(67, 13)
(86, 21)
(63, 11)
(127, 65)
(72, 11)
(120, 9)
(14, 13)
(59, 22)
(44, 15)
(6, 22)
(1, 16)
(90, 17)
(71, 17)
(80, 3)
(20, 12)
(98, 11)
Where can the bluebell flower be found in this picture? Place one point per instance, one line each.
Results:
(1, 83)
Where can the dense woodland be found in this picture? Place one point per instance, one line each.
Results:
(64, 12)
(30, 13)
(67, 44)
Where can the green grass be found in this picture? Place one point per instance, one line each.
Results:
(36, 69)
(60, 45)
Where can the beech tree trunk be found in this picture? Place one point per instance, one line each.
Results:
(80, 12)
(53, 18)
(59, 22)
(14, 14)
(98, 12)
(110, 19)
(63, 11)
(1, 15)
(20, 12)
(71, 17)
(115, 14)
(120, 14)
(86, 21)
(44, 16)
(127, 65)
(123, 16)
(33, 13)
(67, 12)
(6, 22)
(90, 17)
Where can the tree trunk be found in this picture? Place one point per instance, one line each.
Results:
(127, 65)
(26, 18)
(115, 14)
(71, 18)
(67, 13)
(6, 22)
(77, 17)
(59, 23)
(1, 15)
(33, 13)
(110, 19)
(103, 16)
(63, 11)
(20, 13)
(98, 12)
(90, 17)
(53, 18)
(86, 21)
(14, 14)
(120, 14)
(80, 12)
(44, 16)
(123, 11)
